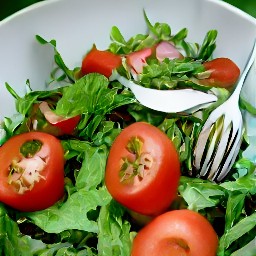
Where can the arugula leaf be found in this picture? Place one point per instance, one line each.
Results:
(64, 249)
(170, 74)
(90, 94)
(115, 238)
(208, 46)
(92, 98)
(162, 32)
(233, 234)
(61, 66)
(92, 170)
(247, 250)
(234, 209)
(73, 214)
(200, 194)
(245, 184)
(24, 104)
(106, 134)
(183, 132)
(84, 96)
(12, 242)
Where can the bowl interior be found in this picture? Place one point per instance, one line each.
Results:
(77, 24)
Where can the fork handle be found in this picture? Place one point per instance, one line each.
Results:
(247, 68)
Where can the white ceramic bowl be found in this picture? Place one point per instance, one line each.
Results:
(77, 24)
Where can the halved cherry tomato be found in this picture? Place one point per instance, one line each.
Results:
(143, 169)
(103, 62)
(220, 72)
(176, 233)
(31, 171)
(65, 125)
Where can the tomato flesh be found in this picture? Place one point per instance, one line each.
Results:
(33, 182)
(102, 62)
(137, 60)
(176, 233)
(150, 188)
(167, 50)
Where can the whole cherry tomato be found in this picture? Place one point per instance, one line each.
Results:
(176, 233)
(143, 169)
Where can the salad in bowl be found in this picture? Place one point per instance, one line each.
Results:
(88, 169)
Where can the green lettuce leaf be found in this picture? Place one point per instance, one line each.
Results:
(73, 214)
(200, 194)
(115, 238)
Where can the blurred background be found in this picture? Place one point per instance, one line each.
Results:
(7, 7)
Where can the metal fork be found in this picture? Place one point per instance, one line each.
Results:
(219, 141)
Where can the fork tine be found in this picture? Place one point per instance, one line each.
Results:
(229, 157)
(206, 144)
(228, 134)
(200, 147)
(216, 155)
(205, 166)
(225, 163)
(220, 151)
(203, 139)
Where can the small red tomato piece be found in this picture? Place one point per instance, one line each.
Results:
(68, 125)
(102, 62)
(65, 125)
(35, 180)
(223, 72)
(143, 169)
(137, 60)
(176, 233)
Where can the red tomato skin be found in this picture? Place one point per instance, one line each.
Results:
(64, 125)
(102, 62)
(157, 190)
(176, 233)
(225, 73)
(45, 192)
(67, 126)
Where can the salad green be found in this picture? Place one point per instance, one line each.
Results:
(88, 221)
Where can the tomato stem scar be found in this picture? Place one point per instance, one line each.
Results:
(142, 163)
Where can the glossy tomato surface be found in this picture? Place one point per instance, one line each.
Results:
(176, 233)
(223, 73)
(42, 183)
(143, 169)
(63, 125)
(102, 62)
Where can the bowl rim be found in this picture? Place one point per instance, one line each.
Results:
(42, 3)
